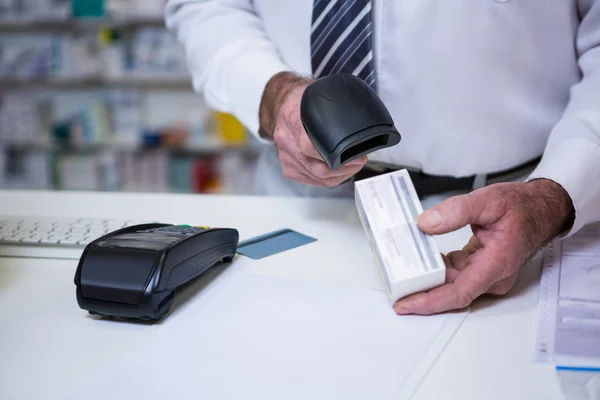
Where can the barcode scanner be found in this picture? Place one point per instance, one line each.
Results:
(345, 119)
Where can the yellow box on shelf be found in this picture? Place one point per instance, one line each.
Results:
(230, 129)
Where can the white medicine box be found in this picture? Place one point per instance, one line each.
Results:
(407, 258)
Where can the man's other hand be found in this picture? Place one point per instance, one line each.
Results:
(280, 121)
(511, 222)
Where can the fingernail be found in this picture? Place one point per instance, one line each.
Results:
(401, 310)
(358, 161)
(430, 219)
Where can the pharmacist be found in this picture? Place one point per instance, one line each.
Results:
(478, 89)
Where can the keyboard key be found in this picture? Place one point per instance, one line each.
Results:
(94, 227)
(86, 221)
(69, 241)
(31, 240)
(60, 232)
(95, 235)
(114, 226)
(57, 235)
(63, 226)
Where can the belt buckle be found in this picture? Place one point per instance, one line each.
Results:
(479, 181)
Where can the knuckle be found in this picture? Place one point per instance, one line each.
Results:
(455, 206)
(461, 206)
(451, 274)
(350, 170)
(291, 174)
(426, 309)
(279, 135)
(306, 146)
(499, 203)
(501, 290)
(304, 140)
(282, 139)
(427, 306)
(504, 287)
(331, 184)
(424, 304)
(463, 299)
(320, 170)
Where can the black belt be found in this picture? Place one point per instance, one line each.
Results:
(427, 185)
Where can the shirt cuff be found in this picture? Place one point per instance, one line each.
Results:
(575, 165)
(237, 87)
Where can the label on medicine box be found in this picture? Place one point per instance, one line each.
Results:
(407, 258)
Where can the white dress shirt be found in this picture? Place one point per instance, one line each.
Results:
(473, 86)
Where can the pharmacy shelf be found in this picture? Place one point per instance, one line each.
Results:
(205, 147)
(77, 24)
(92, 83)
(195, 147)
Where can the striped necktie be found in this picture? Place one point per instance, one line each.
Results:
(341, 39)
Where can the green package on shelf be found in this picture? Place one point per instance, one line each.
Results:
(88, 8)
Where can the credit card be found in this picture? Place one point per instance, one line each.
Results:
(273, 243)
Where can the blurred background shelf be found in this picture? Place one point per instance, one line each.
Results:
(96, 95)
(94, 83)
(78, 24)
(209, 146)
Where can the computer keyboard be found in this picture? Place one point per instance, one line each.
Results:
(42, 237)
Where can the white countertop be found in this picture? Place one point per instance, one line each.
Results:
(49, 347)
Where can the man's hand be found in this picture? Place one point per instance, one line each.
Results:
(280, 122)
(510, 224)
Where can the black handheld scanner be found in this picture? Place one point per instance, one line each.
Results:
(346, 119)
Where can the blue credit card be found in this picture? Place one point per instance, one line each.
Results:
(273, 243)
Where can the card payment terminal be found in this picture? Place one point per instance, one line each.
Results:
(133, 272)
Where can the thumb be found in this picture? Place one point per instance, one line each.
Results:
(479, 207)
